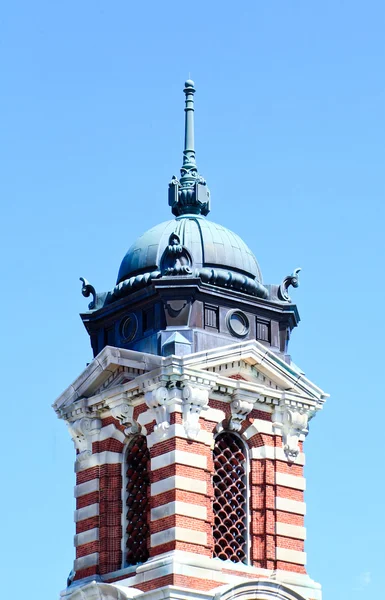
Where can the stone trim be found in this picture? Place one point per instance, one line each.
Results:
(179, 508)
(273, 453)
(86, 561)
(91, 535)
(179, 482)
(258, 426)
(293, 531)
(178, 430)
(99, 458)
(292, 506)
(180, 534)
(290, 481)
(85, 513)
(82, 489)
(181, 457)
(291, 556)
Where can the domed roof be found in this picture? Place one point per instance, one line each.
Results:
(209, 245)
(189, 245)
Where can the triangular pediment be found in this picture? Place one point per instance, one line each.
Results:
(254, 363)
(111, 368)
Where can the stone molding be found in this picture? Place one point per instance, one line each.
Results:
(291, 422)
(192, 398)
(97, 590)
(241, 406)
(124, 413)
(263, 589)
(195, 400)
(83, 432)
(159, 400)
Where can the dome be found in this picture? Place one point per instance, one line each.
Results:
(209, 245)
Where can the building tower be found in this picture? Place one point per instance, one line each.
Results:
(189, 422)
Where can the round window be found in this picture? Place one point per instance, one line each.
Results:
(238, 323)
(128, 328)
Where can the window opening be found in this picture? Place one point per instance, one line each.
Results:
(230, 499)
(137, 483)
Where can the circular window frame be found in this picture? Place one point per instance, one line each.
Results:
(243, 317)
(128, 338)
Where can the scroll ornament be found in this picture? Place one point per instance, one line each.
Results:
(195, 399)
(290, 280)
(293, 423)
(125, 415)
(157, 400)
(240, 408)
(83, 431)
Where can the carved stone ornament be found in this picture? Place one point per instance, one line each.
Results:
(195, 399)
(125, 415)
(158, 401)
(292, 422)
(82, 432)
(97, 590)
(240, 408)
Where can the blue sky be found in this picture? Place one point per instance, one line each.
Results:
(290, 136)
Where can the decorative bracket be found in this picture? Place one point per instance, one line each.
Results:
(240, 408)
(125, 415)
(157, 400)
(195, 399)
(290, 280)
(292, 422)
(82, 432)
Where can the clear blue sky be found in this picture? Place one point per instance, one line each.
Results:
(290, 133)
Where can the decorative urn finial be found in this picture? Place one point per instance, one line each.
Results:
(190, 194)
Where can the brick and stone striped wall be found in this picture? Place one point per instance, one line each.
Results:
(181, 497)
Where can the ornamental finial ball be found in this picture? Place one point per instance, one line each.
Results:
(189, 83)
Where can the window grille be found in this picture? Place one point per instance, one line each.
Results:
(230, 498)
(137, 484)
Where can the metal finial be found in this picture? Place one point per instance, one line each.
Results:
(190, 195)
(189, 144)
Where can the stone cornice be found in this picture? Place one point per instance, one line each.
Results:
(175, 374)
(101, 368)
(291, 387)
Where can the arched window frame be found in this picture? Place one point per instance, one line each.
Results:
(124, 522)
(246, 449)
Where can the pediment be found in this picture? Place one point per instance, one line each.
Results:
(254, 363)
(110, 368)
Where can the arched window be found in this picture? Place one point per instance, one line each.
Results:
(230, 502)
(136, 506)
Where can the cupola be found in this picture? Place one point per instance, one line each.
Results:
(192, 276)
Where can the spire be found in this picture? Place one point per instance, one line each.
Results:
(189, 195)
(189, 164)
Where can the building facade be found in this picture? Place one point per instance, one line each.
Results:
(189, 422)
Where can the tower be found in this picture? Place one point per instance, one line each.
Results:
(189, 422)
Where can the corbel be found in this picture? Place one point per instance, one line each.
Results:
(83, 432)
(158, 401)
(291, 422)
(124, 413)
(195, 400)
(241, 405)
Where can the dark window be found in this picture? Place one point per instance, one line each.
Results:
(137, 485)
(148, 319)
(263, 331)
(211, 316)
(230, 501)
(109, 336)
